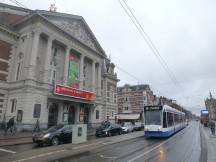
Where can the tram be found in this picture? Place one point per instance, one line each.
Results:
(162, 121)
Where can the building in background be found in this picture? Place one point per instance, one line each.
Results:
(52, 68)
(131, 101)
(210, 104)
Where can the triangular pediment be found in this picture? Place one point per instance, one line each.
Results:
(76, 27)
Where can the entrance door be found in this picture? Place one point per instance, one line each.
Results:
(53, 115)
(71, 115)
(86, 115)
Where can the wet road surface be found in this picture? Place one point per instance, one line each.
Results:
(182, 147)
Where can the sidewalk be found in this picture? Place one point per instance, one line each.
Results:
(211, 144)
(18, 138)
(22, 138)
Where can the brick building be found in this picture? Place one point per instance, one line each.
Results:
(52, 68)
(131, 100)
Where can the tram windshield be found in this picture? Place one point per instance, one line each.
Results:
(153, 117)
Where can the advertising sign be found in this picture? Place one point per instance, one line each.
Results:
(73, 92)
(204, 112)
(73, 71)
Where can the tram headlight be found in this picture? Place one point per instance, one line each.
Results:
(159, 128)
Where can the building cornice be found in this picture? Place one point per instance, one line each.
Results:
(9, 32)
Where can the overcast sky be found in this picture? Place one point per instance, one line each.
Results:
(182, 30)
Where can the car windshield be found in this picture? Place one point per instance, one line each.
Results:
(137, 124)
(54, 128)
(105, 125)
(153, 117)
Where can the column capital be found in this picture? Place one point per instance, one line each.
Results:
(50, 38)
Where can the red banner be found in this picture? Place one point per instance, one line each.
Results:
(73, 92)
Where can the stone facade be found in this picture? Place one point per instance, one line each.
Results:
(210, 104)
(41, 49)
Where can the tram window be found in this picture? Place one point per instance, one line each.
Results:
(170, 119)
(164, 120)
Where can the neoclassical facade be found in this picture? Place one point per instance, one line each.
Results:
(53, 69)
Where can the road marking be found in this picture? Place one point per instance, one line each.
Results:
(108, 157)
(40, 155)
(9, 151)
(154, 148)
(78, 147)
(54, 152)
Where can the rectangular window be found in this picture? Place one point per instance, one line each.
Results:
(2, 95)
(1, 100)
(112, 113)
(126, 108)
(37, 110)
(1, 106)
(101, 84)
(18, 71)
(13, 105)
(19, 115)
(164, 120)
(97, 114)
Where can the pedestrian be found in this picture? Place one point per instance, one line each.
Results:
(10, 125)
(212, 127)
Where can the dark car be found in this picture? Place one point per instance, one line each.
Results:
(54, 135)
(108, 130)
(138, 126)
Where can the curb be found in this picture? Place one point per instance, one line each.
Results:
(22, 143)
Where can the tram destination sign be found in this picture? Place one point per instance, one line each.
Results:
(152, 108)
(74, 92)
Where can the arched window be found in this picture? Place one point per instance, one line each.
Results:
(19, 66)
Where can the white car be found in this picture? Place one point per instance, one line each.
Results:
(127, 127)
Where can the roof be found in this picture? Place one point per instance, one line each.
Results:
(45, 15)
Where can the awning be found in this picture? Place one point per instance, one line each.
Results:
(129, 116)
(65, 98)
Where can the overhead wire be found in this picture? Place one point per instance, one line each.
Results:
(149, 43)
(18, 3)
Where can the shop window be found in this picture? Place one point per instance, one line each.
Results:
(97, 114)
(13, 105)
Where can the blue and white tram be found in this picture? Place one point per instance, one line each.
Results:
(162, 121)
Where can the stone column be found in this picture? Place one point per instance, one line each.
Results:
(48, 59)
(66, 65)
(82, 57)
(33, 55)
(99, 80)
(93, 76)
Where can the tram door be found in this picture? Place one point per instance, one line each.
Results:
(71, 115)
(53, 115)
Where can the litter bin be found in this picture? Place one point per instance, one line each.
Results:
(79, 133)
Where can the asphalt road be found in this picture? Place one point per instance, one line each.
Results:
(182, 147)
(7, 150)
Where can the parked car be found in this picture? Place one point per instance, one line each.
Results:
(127, 127)
(54, 135)
(138, 126)
(108, 129)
